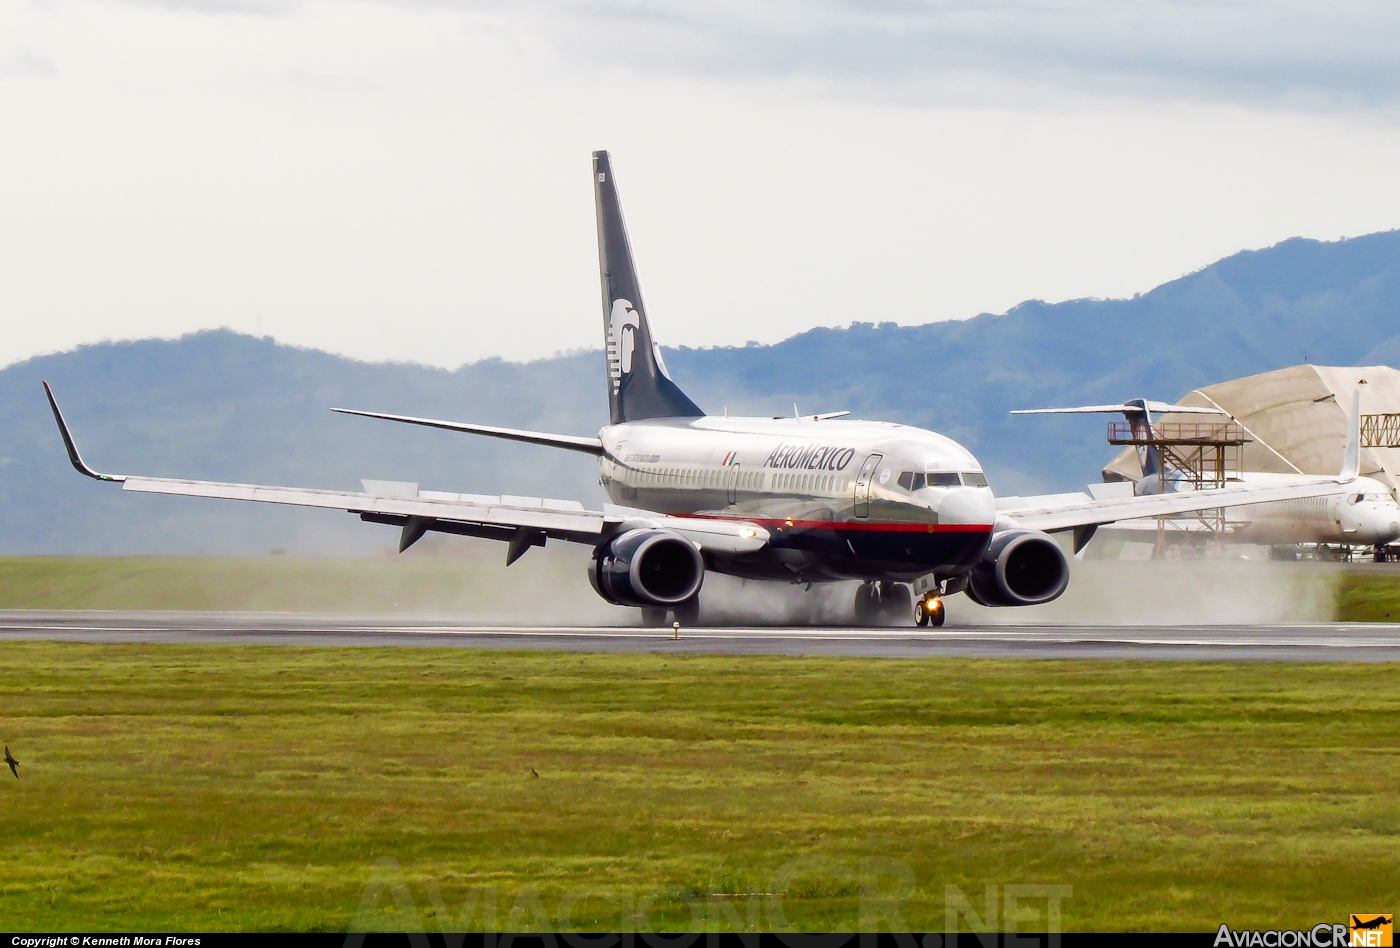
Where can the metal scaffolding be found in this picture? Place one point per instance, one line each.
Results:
(1205, 454)
(1380, 431)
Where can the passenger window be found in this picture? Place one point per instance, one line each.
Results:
(975, 479)
(942, 480)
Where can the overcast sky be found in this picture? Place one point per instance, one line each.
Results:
(409, 179)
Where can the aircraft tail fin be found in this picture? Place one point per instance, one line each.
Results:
(1138, 411)
(639, 386)
(1351, 458)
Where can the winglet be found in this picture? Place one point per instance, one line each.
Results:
(73, 454)
(1351, 460)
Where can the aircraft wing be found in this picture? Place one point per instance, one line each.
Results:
(566, 520)
(1056, 512)
(522, 521)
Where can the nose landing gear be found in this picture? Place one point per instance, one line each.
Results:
(929, 611)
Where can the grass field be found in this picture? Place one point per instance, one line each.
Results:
(238, 787)
(275, 583)
(1369, 595)
(474, 583)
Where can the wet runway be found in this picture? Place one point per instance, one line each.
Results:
(1349, 642)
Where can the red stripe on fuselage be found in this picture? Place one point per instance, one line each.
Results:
(854, 525)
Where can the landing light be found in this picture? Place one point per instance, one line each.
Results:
(748, 533)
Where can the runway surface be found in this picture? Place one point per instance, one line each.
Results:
(1348, 642)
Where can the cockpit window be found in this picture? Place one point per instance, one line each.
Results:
(913, 480)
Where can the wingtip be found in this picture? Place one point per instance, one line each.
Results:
(74, 457)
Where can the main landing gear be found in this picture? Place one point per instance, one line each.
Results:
(890, 604)
(883, 603)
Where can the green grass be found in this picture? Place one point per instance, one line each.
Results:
(1369, 595)
(466, 577)
(413, 582)
(238, 787)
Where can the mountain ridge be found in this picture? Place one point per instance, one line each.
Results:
(223, 405)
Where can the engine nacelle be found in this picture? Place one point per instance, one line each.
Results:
(647, 567)
(1020, 568)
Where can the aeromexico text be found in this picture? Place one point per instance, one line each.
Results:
(810, 457)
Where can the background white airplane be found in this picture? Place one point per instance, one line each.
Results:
(1357, 511)
(796, 500)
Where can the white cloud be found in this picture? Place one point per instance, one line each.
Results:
(1248, 51)
(1277, 52)
(410, 180)
(24, 63)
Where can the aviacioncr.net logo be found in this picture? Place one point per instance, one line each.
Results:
(1370, 931)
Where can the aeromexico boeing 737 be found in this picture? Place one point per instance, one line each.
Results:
(794, 500)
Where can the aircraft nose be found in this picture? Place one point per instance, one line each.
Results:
(967, 505)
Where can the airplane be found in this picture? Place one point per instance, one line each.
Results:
(802, 500)
(1357, 511)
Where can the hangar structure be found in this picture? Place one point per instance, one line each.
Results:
(1295, 421)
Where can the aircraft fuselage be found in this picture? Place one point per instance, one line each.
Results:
(1362, 512)
(842, 499)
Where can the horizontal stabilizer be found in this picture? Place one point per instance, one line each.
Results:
(592, 446)
(1160, 408)
(1351, 454)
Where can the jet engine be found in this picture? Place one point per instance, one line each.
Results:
(1020, 568)
(647, 567)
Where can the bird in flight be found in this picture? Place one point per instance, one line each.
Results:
(14, 764)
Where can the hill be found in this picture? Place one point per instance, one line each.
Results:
(233, 407)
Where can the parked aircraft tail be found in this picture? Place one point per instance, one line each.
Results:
(1351, 457)
(639, 386)
(1138, 411)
